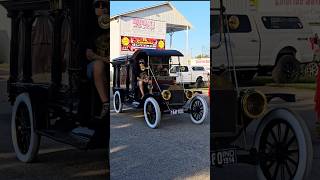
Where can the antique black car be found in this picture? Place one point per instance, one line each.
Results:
(162, 94)
(281, 146)
(50, 94)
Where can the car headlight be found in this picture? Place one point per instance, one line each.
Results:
(166, 95)
(254, 104)
(189, 94)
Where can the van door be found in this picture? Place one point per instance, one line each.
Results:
(244, 40)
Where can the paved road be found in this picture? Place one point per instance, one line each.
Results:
(56, 161)
(177, 150)
(304, 107)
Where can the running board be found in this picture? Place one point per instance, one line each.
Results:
(76, 140)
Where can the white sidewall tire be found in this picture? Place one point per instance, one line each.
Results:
(205, 109)
(157, 110)
(35, 138)
(117, 94)
(303, 137)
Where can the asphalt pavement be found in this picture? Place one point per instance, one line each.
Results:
(178, 149)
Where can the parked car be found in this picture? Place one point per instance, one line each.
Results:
(263, 43)
(190, 75)
(166, 96)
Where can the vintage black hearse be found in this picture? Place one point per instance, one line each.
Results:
(162, 94)
(48, 89)
(280, 148)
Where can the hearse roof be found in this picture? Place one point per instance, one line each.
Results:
(149, 52)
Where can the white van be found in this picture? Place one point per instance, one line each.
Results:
(263, 43)
(190, 75)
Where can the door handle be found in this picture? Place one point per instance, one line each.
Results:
(254, 40)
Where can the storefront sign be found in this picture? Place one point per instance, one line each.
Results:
(133, 43)
(139, 27)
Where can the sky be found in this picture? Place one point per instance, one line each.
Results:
(196, 12)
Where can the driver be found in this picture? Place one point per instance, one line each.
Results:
(143, 78)
(97, 58)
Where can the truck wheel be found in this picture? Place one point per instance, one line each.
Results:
(199, 82)
(287, 70)
(152, 112)
(24, 138)
(284, 145)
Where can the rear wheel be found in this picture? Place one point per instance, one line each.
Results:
(287, 69)
(285, 147)
(152, 113)
(117, 103)
(24, 138)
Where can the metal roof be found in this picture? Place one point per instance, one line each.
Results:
(161, 12)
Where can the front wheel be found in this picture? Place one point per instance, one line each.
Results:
(284, 144)
(152, 113)
(24, 138)
(198, 109)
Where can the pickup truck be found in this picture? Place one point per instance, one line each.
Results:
(190, 75)
(261, 43)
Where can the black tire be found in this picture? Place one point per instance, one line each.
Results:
(152, 113)
(24, 138)
(284, 145)
(287, 70)
(199, 82)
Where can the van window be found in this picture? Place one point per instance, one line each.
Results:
(236, 23)
(278, 22)
(198, 68)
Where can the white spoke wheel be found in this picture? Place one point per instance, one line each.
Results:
(152, 113)
(117, 102)
(198, 109)
(24, 138)
(284, 143)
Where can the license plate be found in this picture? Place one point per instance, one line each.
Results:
(224, 157)
(176, 111)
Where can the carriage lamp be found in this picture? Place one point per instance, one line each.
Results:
(254, 104)
(166, 95)
(56, 4)
(189, 94)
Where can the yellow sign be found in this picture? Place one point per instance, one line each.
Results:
(125, 41)
(161, 44)
(254, 3)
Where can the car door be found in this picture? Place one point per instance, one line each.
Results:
(244, 41)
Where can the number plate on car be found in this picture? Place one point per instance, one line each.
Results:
(224, 157)
(176, 111)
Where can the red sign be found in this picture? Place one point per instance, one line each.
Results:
(133, 43)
